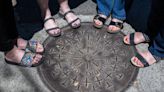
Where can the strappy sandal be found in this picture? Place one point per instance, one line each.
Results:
(117, 24)
(143, 61)
(132, 39)
(73, 21)
(26, 60)
(99, 18)
(54, 28)
(32, 46)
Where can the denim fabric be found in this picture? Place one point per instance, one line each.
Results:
(115, 8)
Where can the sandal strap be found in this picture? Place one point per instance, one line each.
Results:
(147, 39)
(49, 19)
(65, 14)
(47, 30)
(98, 17)
(132, 39)
(117, 24)
(27, 59)
(143, 61)
(70, 23)
(31, 46)
(157, 58)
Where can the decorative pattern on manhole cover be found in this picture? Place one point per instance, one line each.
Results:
(87, 60)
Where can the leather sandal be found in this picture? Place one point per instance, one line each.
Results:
(117, 24)
(73, 21)
(144, 61)
(132, 39)
(99, 18)
(53, 28)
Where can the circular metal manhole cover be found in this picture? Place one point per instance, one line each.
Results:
(87, 60)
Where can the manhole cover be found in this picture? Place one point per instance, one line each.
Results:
(87, 60)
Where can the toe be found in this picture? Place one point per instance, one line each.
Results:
(37, 58)
(135, 61)
(40, 48)
(126, 39)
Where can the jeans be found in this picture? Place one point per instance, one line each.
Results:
(115, 8)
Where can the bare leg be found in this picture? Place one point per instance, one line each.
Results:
(64, 7)
(46, 14)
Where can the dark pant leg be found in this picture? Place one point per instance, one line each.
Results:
(156, 18)
(156, 28)
(7, 25)
(157, 46)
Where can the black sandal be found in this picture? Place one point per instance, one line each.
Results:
(117, 24)
(54, 28)
(143, 60)
(70, 23)
(99, 18)
(132, 39)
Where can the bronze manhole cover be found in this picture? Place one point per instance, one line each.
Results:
(87, 60)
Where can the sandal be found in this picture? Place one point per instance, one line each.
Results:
(57, 29)
(73, 21)
(117, 24)
(143, 62)
(132, 39)
(99, 18)
(32, 46)
(26, 60)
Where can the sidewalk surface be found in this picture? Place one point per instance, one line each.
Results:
(20, 79)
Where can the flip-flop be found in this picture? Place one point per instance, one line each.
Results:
(26, 60)
(117, 24)
(73, 21)
(53, 28)
(132, 38)
(99, 18)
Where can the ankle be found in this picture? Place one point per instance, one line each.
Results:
(103, 16)
(64, 9)
(117, 20)
(21, 43)
(10, 54)
(14, 55)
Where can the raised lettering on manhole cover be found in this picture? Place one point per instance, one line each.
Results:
(87, 60)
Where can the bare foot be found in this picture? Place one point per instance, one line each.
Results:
(71, 17)
(113, 27)
(146, 55)
(97, 22)
(16, 55)
(138, 38)
(51, 27)
(22, 44)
